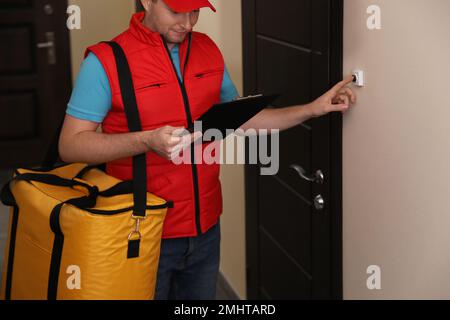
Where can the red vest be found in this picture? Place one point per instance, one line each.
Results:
(164, 100)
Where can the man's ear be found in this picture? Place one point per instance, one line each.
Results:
(147, 4)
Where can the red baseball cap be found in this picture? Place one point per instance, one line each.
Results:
(188, 5)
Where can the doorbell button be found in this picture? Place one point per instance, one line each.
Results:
(358, 78)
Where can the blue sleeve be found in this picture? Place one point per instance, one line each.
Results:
(91, 96)
(228, 91)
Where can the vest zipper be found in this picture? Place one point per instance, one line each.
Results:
(187, 109)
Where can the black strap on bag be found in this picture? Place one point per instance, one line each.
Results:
(139, 171)
(134, 125)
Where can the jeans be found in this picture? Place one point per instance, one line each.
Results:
(188, 267)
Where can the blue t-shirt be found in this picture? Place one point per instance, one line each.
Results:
(91, 96)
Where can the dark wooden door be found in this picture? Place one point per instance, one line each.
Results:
(35, 78)
(294, 47)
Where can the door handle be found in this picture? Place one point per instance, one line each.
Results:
(50, 46)
(319, 203)
(317, 177)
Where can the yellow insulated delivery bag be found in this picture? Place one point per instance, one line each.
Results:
(77, 233)
(76, 238)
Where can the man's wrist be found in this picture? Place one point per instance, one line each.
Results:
(145, 139)
(309, 110)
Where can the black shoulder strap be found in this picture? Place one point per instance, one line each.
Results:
(134, 125)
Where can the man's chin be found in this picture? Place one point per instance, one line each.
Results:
(176, 39)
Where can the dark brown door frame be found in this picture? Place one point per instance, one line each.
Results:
(336, 71)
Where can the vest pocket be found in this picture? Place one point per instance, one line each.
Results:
(207, 74)
(152, 86)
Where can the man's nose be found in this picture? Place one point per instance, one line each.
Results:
(187, 24)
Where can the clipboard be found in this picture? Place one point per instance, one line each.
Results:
(231, 115)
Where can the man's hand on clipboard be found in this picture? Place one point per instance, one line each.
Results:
(169, 141)
(186, 139)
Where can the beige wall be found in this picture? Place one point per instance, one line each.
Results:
(397, 151)
(225, 28)
(101, 20)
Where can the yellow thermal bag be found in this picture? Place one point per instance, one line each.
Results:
(77, 233)
(73, 238)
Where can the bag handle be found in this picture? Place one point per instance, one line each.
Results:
(123, 187)
(7, 197)
(134, 125)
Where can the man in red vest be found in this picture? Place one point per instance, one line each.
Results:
(178, 75)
